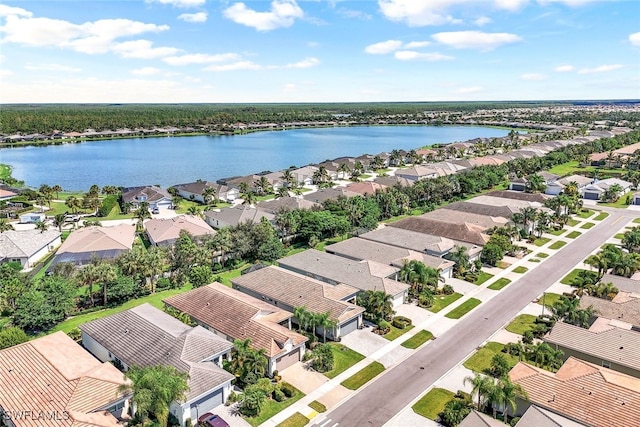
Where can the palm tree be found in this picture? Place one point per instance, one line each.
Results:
(249, 198)
(195, 211)
(262, 186)
(302, 317)
(59, 221)
(282, 192)
(222, 243)
(508, 394)
(73, 203)
(344, 169)
(536, 183)
(461, 258)
(324, 321)
(5, 225)
(141, 214)
(57, 189)
(481, 384)
(42, 226)
(208, 195)
(287, 177)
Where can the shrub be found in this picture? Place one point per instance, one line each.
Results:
(287, 389)
(527, 337)
(163, 283)
(323, 358)
(384, 327)
(401, 322)
(448, 290)
(12, 336)
(107, 205)
(75, 334)
(279, 396)
(463, 395)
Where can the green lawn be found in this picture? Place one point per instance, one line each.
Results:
(585, 214)
(520, 270)
(295, 420)
(557, 245)
(463, 308)
(619, 236)
(573, 222)
(502, 264)
(417, 340)
(574, 234)
(603, 215)
(557, 232)
(541, 241)
(363, 376)
(568, 279)
(5, 171)
(482, 277)
(441, 301)
(621, 203)
(541, 255)
(271, 407)
(317, 406)
(565, 169)
(397, 332)
(499, 284)
(521, 324)
(343, 359)
(432, 403)
(330, 241)
(226, 276)
(480, 361)
(587, 225)
(549, 299)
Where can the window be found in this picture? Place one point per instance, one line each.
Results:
(606, 364)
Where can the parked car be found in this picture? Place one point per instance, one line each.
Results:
(211, 420)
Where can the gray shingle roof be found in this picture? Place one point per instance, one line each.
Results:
(623, 307)
(25, 243)
(463, 232)
(146, 336)
(624, 284)
(519, 195)
(538, 417)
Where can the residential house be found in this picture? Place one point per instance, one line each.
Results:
(624, 309)
(518, 183)
(478, 419)
(624, 284)
(556, 187)
(469, 233)
(236, 182)
(288, 290)
(87, 243)
(329, 194)
(514, 205)
(275, 180)
(536, 416)
(365, 275)
(285, 203)
(417, 173)
(53, 375)
(366, 187)
(234, 315)
(488, 210)
(304, 175)
(583, 392)
(636, 199)
(195, 191)
(27, 246)
(604, 344)
(360, 249)
(393, 180)
(165, 231)
(230, 217)
(6, 194)
(332, 170)
(145, 336)
(157, 198)
(32, 217)
(597, 189)
(455, 216)
(517, 195)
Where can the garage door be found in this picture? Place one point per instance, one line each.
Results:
(288, 360)
(164, 204)
(205, 404)
(398, 299)
(591, 196)
(349, 327)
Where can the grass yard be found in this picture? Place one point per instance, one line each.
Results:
(463, 308)
(573, 222)
(557, 232)
(330, 241)
(480, 361)
(503, 264)
(397, 332)
(603, 215)
(432, 403)
(621, 203)
(318, 407)
(363, 376)
(482, 277)
(584, 214)
(557, 245)
(295, 420)
(569, 278)
(521, 324)
(442, 301)
(343, 358)
(541, 255)
(226, 276)
(271, 407)
(574, 234)
(5, 171)
(520, 270)
(587, 225)
(541, 241)
(499, 284)
(417, 340)
(549, 299)
(619, 236)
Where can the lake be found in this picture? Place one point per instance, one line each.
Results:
(168, 161)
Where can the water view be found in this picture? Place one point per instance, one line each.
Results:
(167, 161)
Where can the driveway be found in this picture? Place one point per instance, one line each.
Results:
(413, 312)
(364, 341)
(303, 378)
(230, 415)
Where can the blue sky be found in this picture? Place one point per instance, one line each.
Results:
(318, 51)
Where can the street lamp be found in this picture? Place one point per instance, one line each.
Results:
(543, 295)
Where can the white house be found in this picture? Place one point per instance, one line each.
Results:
(596, 190)
(27, 246)
(157, 197)
(32, 217)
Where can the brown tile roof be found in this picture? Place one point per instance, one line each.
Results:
(465, 217)
(274, 206)
(366, 187)
(146, 336)
(519, 195)
(239, 316)
(390, 181)
(238, 215)
(167, 230)
(614, 344)
(198, 187)
(98, 239)
(296, 290)
(481, 209)
(364, 275)
(624, 284)
(358, 248)
(625, 307)
(582, 391)
(478, 419)
(54, 374)
(463, 232)
(329, 194)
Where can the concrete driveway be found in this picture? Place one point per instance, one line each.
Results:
(303, 378)
(230, 415)
(413, 312)
(364, 341)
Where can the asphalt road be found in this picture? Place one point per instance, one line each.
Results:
(384, 398)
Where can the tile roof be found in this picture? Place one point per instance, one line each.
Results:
(329, 194)
(392, 180)
(364, 275)
(274, 206)
(614, 344)
(161, 230)
(624, 284)
(470, 233)
(25, 243)
(238, 214)
(97, 239)
(519, 195)
(239, 316)
(146, 336)
(198, 187)
(538, 417)
(578, 179)
(487, 209)
(465, 217)
(54, 374)
(296, 290)
(358, 248)
(583, 392)
(366, 187)
(478, 419)
(624, 307)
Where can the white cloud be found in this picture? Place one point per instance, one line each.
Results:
(194, 17)
(382, 48)
(564, 68)
(634, 39)
(353, 14)
(418, 13)
(600, 69)
(142, 49)
(4, 72)
(235, 66)
(511, 5)
(416, 45)
(483, 20)
(573, 3)
(471, 89)
(14, 11)
(179, 3)
(475, 39)
(283, 13)
(145, 71)
(289, 87)
(200, 58)
(305, 63)
(411, 55)
(313, 44)
(533, 76)
(52, 67)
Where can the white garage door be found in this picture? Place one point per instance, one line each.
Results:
(398, 299)
(205, 404)
(349, 327)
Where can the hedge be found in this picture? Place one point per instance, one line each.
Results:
(107, 205)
